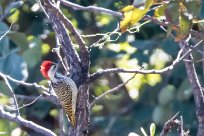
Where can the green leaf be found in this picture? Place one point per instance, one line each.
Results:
(19, 39)
(14, 66)
(166, 94)
(132, 15)
(4, 88)
(184, 91)
(4, 43)
(185, 25)
(152, 129)
(7, 127)
(33, 55)
(143, 131)
(12, 6)
(159, 12)
(172, 12)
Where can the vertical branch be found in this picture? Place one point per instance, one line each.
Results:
(203, 60)
(82, 113)
(197, 89)
(69, 50)
(78, 66)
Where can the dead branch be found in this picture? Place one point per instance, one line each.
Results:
(84, 55)
(169, 124)
(64, 39)
(197, 89)
(26, 123)
(12, 93)
(91, 8)
(37, 86)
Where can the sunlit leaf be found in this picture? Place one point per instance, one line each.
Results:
(4, 89)
(143, 131)
(45, 48)
(152, 129)
(160, 11)
(97, 108)
(133, 134)
(14, 17)
(54, 112)
(159, 58)
(184, 27)
(132, 15)
(153, 79)
(3, 98)
(128, 8)
(12, 7)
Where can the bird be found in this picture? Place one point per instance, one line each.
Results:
(64, 87)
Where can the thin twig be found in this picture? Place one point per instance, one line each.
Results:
(98, 74)
(169, 124)
(12, 93)
(6, 32)
(57, 51)
(84, 55)
(26, 123)
(45, 96)
(25, 105)
(120, 15)
(196, 86)
(111, 91)
(181, 127)
(37, 86)
(91, 8)
(56, 18)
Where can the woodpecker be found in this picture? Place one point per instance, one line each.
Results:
(64, 87)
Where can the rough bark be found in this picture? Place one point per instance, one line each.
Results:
(79, 70)
(197, 89)
(82, 113)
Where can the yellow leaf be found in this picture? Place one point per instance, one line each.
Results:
(184, 27)
(132, 15)
(128, 8)
(137, 16)
(148, 4)
(126, 21)
(160, 11)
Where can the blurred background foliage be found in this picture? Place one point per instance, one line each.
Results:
(145, 99)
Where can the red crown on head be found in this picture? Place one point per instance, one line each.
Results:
(45, 67)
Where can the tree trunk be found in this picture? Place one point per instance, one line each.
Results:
(197, 89)
(82, 113)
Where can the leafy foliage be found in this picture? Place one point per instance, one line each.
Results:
(144, 100)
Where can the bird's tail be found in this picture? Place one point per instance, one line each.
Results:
(72, 120)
